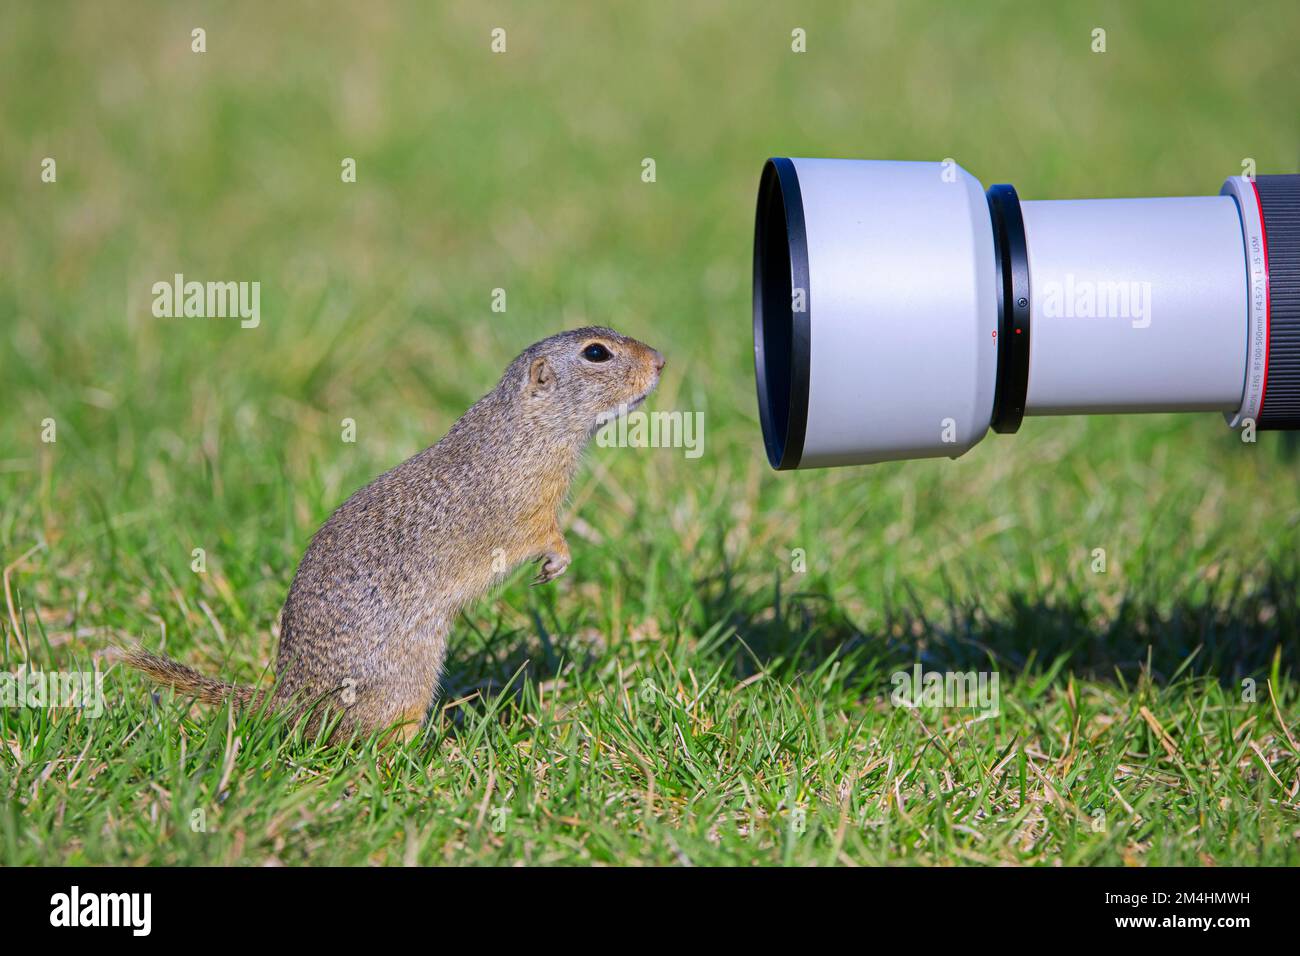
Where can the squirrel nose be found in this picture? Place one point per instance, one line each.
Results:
(658, 359)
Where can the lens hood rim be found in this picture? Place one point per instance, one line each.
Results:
(782, 332)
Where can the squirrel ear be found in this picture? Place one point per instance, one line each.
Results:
(540, 375)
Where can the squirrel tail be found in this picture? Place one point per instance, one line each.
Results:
(164, 670)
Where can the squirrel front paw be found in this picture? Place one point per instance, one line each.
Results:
(554, 564)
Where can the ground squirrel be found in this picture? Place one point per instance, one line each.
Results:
(363, 633)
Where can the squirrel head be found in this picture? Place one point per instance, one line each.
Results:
(584, 377)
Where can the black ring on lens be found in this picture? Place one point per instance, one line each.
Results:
(1012, 255)
(1279, 209)
(782, 310)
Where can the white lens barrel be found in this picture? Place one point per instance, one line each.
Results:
(1246, 195)
(1139, 305)
(900, 306)
(899, 312)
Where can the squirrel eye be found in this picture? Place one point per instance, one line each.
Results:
(595, 352)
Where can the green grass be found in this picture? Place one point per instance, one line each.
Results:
(682, 694)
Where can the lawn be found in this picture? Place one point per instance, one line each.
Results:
(711, 681)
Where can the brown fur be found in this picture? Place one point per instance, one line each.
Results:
(364, 628)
